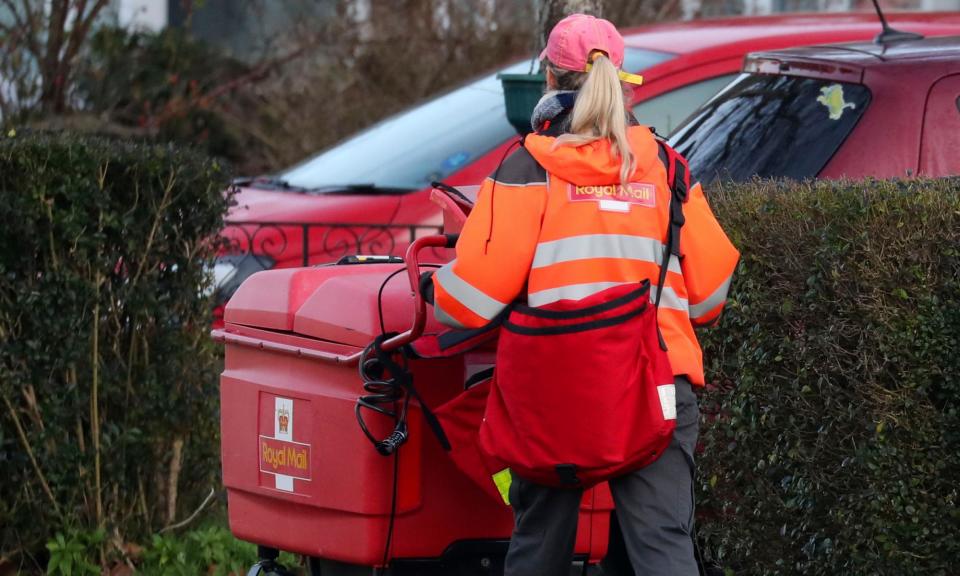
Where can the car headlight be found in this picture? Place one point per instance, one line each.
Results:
(230, 271)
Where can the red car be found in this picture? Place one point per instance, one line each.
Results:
(370, 193)
(841, 111)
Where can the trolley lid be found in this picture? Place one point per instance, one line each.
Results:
(339, 303)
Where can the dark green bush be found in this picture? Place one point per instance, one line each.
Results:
(831, 430)
(108, 415)
(159, 81)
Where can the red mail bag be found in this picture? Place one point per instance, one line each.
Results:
(582, 391)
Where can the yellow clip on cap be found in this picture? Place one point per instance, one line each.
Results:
(630, 78)
(624, 76)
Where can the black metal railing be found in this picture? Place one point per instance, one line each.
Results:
(319, 242)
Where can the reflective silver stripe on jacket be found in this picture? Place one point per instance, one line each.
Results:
(670, 299)
(577, 291)
(465, 293)
(444, 318)
(718, 297)
(602, 246)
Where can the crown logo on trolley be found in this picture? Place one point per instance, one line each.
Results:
(283, 419)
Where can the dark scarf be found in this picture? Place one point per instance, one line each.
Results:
(552, 113)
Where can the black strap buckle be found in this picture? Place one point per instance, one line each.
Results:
(567, 473)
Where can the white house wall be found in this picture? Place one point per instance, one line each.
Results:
(142, 14)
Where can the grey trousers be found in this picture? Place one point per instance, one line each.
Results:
(654, 506)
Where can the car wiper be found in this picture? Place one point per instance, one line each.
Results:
(269, 183)
(276, 183)
(365, 188)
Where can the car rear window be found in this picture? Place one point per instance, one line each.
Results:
(666, 111)
(431, 141)
(770, 126)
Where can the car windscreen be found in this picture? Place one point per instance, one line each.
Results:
(428, 142)
(770, 126)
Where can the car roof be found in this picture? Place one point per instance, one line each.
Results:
(933, 51)
(715, 33)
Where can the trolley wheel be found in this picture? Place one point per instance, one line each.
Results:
(269, 569)
(267, 564)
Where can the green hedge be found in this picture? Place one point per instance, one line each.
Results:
(108, 415)
(831, 429)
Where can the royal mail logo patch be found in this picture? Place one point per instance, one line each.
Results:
(285, 459)
(641, 193)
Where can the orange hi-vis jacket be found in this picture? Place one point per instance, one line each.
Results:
(555, 223)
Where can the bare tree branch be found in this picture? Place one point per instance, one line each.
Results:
(176, 107)
(667, 8)
(26, 25)
(76, 33)
(53, 83)
(190, 518)
(33, 28)
(14, 12)
(4, 108)
(80, 8)
(79, 33)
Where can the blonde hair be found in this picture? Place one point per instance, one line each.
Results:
(600, 111)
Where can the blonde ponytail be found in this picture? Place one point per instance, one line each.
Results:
(600, 112)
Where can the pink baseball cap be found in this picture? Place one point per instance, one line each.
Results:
(575, 37)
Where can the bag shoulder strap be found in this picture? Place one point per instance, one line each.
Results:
(676, 165)
(678, 178)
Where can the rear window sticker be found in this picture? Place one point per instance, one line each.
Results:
(456, 160)
(832, 98)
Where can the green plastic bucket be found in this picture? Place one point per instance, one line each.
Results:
(521, 92)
